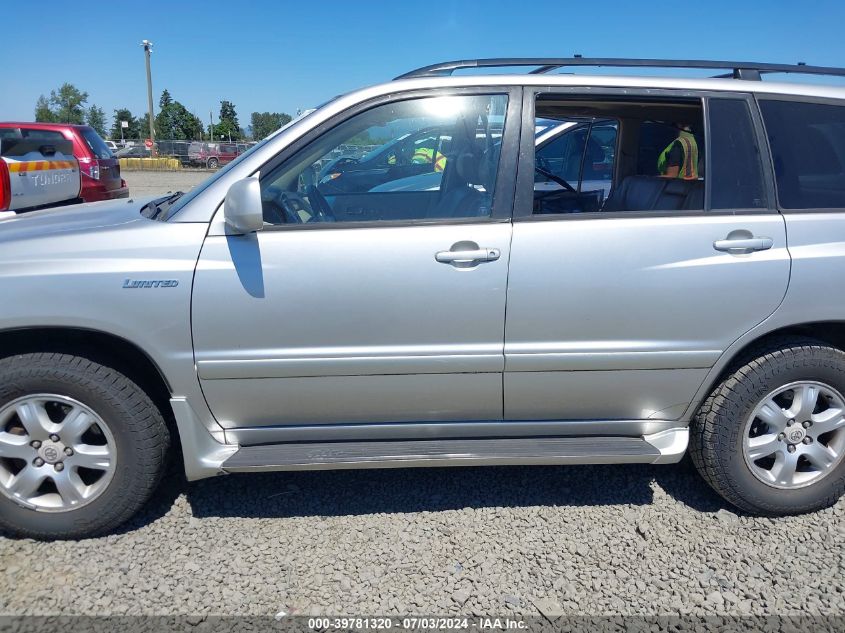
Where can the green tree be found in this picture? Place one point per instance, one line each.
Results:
(165, 99)
(96, 118)
(43, 113)
(134, 129)
(174, 121)
(69, 104)
(265, 123)
(228, 127)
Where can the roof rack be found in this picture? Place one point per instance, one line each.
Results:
(739, 70)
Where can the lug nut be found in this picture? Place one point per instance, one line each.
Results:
(808, 440)
(807, 424)
(791, 448)
(35, 444)
(54, 437)
(791, 422)
(781, 436)
(59, 467)
(38, 461)
(68, 451)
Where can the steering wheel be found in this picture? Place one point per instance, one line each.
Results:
(319, 205)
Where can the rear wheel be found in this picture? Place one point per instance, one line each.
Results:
(82, 447)
(771, 436)
(213, 163)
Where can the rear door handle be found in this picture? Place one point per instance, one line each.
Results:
(468, 256)
(743, 244)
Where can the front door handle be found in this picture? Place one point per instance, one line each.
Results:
(742, 241)
(467, 254)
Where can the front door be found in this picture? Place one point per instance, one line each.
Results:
(616, 311)
(392, 315)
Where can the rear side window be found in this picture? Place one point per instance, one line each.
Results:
(737, 177)
(97, 146)
(807, 141)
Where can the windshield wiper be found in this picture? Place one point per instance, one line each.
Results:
(556, 179)
(163, 203)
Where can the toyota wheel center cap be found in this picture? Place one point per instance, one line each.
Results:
(796, 434)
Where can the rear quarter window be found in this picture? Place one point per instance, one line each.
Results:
(97, 145)
(807, 141)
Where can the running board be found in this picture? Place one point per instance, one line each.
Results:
(663, 447)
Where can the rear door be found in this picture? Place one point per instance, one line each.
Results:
(617, 315)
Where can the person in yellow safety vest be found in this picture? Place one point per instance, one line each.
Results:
(426, 155)
(680, 158)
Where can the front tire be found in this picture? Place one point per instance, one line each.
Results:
(82, 447)
(213, 163)
(771, 437)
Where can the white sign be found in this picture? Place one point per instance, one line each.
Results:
(124, 124)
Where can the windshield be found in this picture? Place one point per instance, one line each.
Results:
(193, 193)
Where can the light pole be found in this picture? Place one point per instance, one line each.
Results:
(148, 49)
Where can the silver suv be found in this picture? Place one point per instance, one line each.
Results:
(664, 272)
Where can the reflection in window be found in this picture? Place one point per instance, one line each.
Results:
(426, 158)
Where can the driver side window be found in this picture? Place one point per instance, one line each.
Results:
(424, 158)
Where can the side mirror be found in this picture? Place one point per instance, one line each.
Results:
(242, 208)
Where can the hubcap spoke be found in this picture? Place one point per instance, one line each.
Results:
(819, 455)
(70, 486)
(34, 419)
(15, 447)
(783, 471)
(27, 481)
(804, 401)
(773, 415)
(827, 420)
(75, 424)
(763, 446)
(94, 457)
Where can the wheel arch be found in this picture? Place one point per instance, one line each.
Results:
(101, 347)
(829, 332)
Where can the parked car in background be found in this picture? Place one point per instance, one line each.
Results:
(100, 169)
(135, 151)
(175, 149)
(36, 172)
(211, 155)
(111, 145)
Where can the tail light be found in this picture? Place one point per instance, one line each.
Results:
(89, 167)
(5, 186)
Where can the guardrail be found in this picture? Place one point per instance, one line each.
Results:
(150, 164)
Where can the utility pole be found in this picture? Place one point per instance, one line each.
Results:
(148, 49)
(211, 124)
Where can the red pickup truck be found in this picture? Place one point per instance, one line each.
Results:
(212, 155)
(100, 169)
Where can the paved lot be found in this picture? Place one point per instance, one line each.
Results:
(145, 183)
(585, 540)
(581, 540)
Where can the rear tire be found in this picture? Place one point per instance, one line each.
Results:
(128, 432)
(771, 437)
(213, 163)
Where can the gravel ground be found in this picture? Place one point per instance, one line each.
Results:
(579, 540)
(576, 540)
(146, 183)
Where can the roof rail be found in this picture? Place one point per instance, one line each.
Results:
(739, 70)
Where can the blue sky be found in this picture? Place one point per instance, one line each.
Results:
(281, 56)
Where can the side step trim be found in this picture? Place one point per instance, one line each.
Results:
(458, 452)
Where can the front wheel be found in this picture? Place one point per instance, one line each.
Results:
(82, 447)
(771, 437)
(213, 163)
